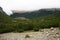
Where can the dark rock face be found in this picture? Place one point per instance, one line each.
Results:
(1, 10)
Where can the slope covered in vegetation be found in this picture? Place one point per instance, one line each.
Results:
(50, 20)
(40, 19)
(5, 22)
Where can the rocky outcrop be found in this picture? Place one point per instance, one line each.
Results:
(1, 10)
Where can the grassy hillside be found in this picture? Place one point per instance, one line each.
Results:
(4, 18)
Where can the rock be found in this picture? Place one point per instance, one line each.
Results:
(52, 28)
(1, 10)
(27, 36)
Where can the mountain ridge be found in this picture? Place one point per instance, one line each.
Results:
(36, 13)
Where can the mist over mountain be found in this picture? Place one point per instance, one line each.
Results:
(36, 13)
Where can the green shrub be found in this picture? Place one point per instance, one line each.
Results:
(36, 29)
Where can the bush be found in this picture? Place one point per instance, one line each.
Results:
(36, 29)
(20, 30)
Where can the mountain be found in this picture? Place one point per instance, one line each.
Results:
(36, 13)
(5, 22)
(4, 18)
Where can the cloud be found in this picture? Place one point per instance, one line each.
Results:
(28, 4)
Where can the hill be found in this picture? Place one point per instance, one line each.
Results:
(4, 18)
(43, 18)
(5, 22)
(36, 13)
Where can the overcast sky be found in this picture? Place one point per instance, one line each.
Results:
(28, 5)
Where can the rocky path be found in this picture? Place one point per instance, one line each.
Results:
(46, 34)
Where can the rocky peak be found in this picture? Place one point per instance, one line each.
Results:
(1, 10)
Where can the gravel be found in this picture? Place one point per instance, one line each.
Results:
(47, 34)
